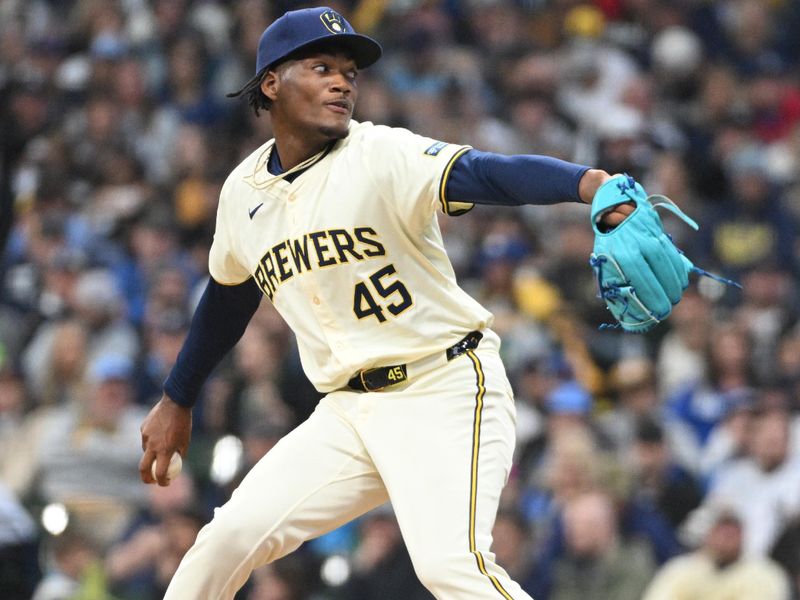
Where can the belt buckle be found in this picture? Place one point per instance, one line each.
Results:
(361, 374)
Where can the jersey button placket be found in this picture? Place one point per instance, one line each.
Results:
(292, 208)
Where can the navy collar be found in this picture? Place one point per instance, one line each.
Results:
(274, 166)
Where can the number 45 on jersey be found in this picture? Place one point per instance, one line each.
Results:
(372, 300)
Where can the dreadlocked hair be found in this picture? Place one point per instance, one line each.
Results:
(252, 91)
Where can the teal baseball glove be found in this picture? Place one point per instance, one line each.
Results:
(640, 272)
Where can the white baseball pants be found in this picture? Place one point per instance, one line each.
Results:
(439, 447)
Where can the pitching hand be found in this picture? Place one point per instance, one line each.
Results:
(166, 429)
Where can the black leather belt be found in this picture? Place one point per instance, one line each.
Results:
(374, 380)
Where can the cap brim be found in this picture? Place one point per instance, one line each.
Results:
(364, 49)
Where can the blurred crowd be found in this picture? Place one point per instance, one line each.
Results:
(659, 466)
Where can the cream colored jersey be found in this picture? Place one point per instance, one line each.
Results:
(350, 253)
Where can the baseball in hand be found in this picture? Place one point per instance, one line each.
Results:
(174, 468)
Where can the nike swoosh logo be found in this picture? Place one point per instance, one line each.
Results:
(253, 212)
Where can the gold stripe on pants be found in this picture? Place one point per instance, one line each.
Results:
(476, 445)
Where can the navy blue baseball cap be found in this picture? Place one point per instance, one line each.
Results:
(298, 29)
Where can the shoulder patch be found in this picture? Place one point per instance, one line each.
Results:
(436, 148)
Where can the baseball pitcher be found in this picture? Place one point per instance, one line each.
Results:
(335, 222)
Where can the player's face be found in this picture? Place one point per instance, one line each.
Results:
(315, 95)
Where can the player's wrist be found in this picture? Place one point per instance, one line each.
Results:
(169, 403)
(589, 184)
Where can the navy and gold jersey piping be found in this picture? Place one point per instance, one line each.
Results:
(452, 209)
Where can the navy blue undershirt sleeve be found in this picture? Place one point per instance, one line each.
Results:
(497, 179)
(221, 317)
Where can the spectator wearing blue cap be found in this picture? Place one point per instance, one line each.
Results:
(106, 51)
(565, 459)
(502, 257)
(568, 456)
(568, 405)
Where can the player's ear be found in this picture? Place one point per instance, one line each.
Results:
(270, 84)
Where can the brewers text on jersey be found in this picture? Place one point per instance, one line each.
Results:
(327, 248)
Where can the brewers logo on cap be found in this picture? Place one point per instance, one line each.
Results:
(333, 21)
(299, 28)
